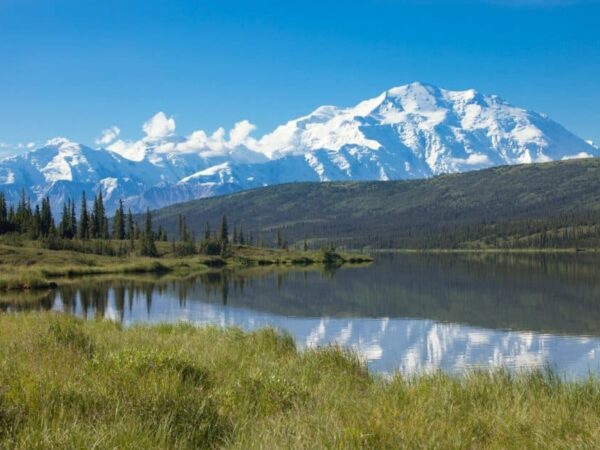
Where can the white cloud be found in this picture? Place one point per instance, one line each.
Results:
(221, 142)
(159, 126)
(108, 135)
(160, 136)
(134, 151)
(241, 132)
(578, 156)
(7, 150)
(474, 159)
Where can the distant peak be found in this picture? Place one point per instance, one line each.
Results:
(325, 110)
(418, 85)
(415, 96)
(61, 142)
(415, 86)
(421, 87)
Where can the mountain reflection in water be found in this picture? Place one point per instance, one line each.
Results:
(408, 312)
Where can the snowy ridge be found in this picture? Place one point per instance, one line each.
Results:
(411, 131)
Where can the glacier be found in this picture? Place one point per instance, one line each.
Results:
(412, 131)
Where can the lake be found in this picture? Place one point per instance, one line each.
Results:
(406, 312)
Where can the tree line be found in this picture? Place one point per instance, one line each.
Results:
(85, 229)
(91, 231)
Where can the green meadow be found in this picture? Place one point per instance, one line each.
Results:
(68, 383)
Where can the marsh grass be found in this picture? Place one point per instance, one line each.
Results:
(25, 265)
(66, 383)
(23, 280)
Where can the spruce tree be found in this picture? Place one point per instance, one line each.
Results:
(224, 232)
(84, 219)
(24, 215)
(3, 209)
(102, 219)
(207, 231)
(73, 219)
(94, 221)
(3, 214)
(130, 234)
(148, 247)
(180, 226)
(106, 228)
(119, 223)
(185, 237)
(46, 222)
(64, 228)
(100, 215)
(99, 221)
(35, 228)
(11, 215)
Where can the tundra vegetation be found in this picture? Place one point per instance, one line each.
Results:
(37, 253)
(69, 383)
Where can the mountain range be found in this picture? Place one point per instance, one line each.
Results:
(408, 132)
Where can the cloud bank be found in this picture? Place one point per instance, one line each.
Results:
(7, 150)
(160, 137)
(159, 126)
(108, 135)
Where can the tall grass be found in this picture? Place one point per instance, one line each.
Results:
(65, 383)
(23, 280)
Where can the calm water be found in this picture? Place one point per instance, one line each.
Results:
(404, 312)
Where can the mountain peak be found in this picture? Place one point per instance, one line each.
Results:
(414, 86)
(418, 95)
(61, 142)
(414, 96)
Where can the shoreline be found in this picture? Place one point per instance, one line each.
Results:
(30, 267)
(486, 250)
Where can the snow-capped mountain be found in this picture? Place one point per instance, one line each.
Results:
(412, 131)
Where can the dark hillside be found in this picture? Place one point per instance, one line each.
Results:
(537, 205)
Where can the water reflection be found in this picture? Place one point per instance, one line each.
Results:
(406, 312)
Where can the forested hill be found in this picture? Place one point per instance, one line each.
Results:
(553, 204)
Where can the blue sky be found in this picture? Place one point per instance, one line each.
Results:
(73, 68)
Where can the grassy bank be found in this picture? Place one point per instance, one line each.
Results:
(65, 383)
(26, 265)
(486, 250)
